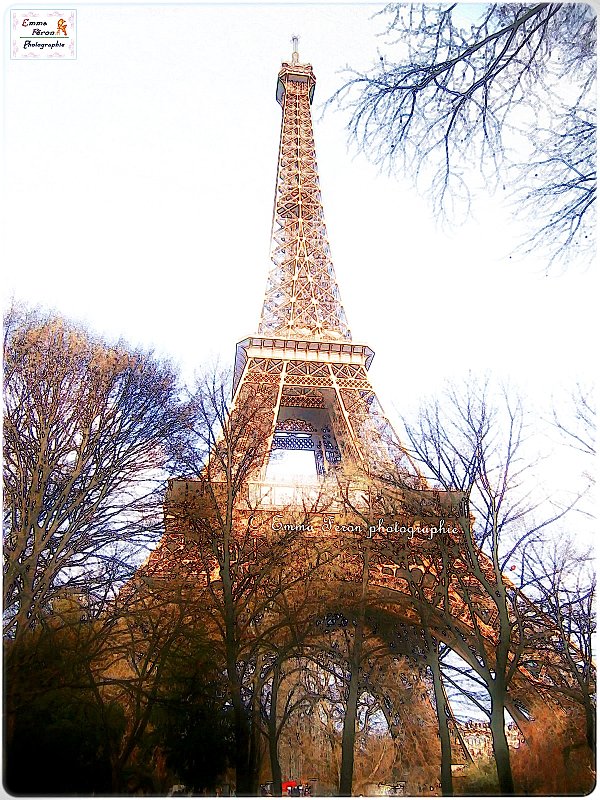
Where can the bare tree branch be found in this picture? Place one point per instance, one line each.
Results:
(465, 86)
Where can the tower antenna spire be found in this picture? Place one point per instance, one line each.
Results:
(295, 56)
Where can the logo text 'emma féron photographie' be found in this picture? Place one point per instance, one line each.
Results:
(43, 33)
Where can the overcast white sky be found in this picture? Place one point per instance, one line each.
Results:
(140, 180)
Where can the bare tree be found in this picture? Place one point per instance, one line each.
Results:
(116, 665)
(573, 427)
(50, 707)
(89, 431)
(284, 633)
(461, 85)
(580, 431)
(355, 658)
(426, 574)
(557, 185)
(475, 444)
(244, 564)
(380, 688)
(286, 695)
(563, 584)
(147, 630)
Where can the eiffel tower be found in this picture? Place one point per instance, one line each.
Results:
(307, 383)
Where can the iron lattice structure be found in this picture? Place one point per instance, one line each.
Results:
(304, 349)
(302, 299)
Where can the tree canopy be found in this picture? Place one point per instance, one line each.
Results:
(89, 431)
(509, 88)
(238, 636)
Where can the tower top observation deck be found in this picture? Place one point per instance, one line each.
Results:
(295, 72)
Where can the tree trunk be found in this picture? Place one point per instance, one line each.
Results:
(590, 723)
(273, 738)
(116, 782)
(240, 717)
(242, 738)
(500, 745)
(349, 730)
(23, 617)
(442, 717)
(255, 749)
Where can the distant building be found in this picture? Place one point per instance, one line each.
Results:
(477, 737)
